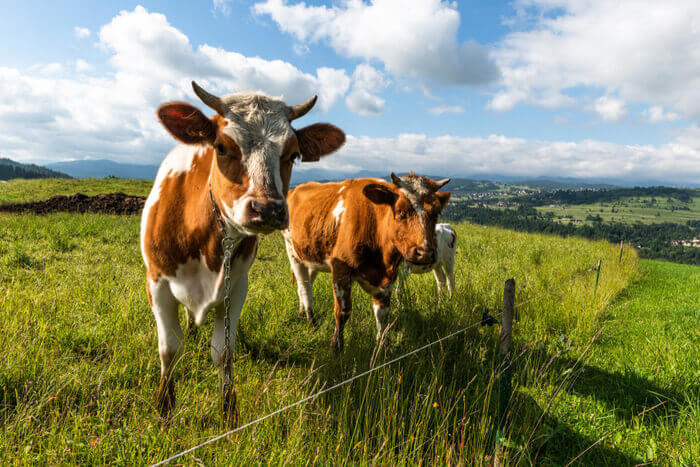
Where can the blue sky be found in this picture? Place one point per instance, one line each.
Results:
(580, 88)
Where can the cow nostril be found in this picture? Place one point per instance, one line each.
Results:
(256, 206)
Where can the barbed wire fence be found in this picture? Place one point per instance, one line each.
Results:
(504, 368)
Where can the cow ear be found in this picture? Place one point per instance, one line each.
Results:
(379, 194)
(318, 140)
(443, 197)
(187, 123)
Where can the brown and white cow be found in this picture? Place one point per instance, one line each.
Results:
(244, 155)
(361, 231)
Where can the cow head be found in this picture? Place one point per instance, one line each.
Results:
(415, 204)
(255, 147)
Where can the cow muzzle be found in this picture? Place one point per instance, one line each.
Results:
(421, 256)
(266, 215)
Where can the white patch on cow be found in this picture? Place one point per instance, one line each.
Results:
(339, 294)
(338, 211)
(178, 160)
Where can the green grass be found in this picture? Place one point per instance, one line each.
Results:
(21, 190)
(79, 366)
(630, 210)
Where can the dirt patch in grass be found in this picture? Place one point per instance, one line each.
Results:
(110, 203)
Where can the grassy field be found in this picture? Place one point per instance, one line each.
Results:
(647, 210)
(79, 366)
(21, 190)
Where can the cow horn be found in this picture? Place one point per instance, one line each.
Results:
(300, 110)
(395, 179)
(441, 183)
(210, 99)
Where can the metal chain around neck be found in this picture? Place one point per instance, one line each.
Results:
(228, 244)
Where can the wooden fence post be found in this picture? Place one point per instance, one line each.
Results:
(597, 276)
(504, 379)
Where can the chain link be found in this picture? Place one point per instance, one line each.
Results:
(228, 243)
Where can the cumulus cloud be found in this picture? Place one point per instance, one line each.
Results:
(610, 109)
(413, 38)
(81, 33)
(657, 114)
(446, 109)
(366, 82)
(674, 162)
(642, 50)
(48, 114)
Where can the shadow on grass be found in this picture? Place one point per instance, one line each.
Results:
(555, 443)
(628, 395)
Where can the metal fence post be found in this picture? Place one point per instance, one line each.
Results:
(597, 276)
(621, 243)
(504, 380)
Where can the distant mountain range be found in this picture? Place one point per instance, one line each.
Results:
(10, 169)
(101, 168)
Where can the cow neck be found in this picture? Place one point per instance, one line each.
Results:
(392, 256)
(228, 237)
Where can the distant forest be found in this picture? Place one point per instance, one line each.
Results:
(594, 196)
(10, 169)
(652, 240)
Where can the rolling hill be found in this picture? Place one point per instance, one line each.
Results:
(10, 169)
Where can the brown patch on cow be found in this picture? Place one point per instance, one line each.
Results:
(181, 223)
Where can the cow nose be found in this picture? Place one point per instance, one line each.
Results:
(271, 212)
(423, 255)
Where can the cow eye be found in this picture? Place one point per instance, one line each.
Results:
(401, 215)
(221, 149)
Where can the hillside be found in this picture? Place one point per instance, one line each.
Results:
(10, 169)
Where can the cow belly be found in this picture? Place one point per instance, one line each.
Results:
(196, 287)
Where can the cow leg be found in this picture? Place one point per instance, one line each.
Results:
(170, 342)
(237, 294)
(381, 304)
(439, 278)
(450, 270)
(305, 286)
(342, 288)
(190, 327)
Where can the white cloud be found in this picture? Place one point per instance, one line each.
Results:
(48, 69)
(224, 6)
(446, 109)
(413, 38)
(113, 115)
(82, 66)
(367, 81)
(641, 50)
(610, 109)
(81, 33)
(675, 162)
(656, 114)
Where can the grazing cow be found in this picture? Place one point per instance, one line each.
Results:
(361, 230)
(231, 172)
(444, 267)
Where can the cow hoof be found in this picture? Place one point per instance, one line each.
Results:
(337, 344)
(165, 397)
(230, 409)
(311, 321)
